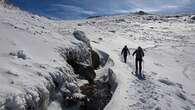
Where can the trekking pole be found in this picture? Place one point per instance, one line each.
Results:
(143, 66)
(133, 64)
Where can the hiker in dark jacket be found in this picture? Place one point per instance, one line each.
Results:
(138, 60)
(125, 52)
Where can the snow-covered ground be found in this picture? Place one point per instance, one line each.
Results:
(168, 63)
(32, 71)
(29, 55)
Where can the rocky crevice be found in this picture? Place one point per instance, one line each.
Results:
(97, 92)
(62, 86)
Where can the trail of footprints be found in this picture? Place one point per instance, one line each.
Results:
(150, 95)
(147, 96)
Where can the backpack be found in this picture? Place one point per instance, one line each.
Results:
(139, 54)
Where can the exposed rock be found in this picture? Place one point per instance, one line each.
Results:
(11, 72)
(19, 54)
(79, 24)
(193, 17)
(80, 54)
(84, 71)
(100, 38)
(12, 54)
(120, 20)
(80, 35)
(113, 31)
(141, 13)
(112, 80)
(104, 57)
(90, 17)
(95, 59)
(181, 95)
(98, 95)
(93, 22)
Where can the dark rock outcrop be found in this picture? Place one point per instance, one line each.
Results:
(90, 17)
(19, 54)
(193, 17)
(80, 35)
(98, 95)
(84, 71)
(95, 59)
(141, 13)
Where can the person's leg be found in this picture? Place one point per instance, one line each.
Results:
(125, 58)
(140, 67)
(136, 65)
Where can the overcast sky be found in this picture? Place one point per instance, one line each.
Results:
(75, 9)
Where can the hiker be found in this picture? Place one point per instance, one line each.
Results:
(124, 52)
(138, 59)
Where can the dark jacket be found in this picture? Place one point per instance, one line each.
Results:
(139, 53)
(125, 51)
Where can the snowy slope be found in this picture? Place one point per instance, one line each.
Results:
(169, 60)
(32, 71)
(168, 63)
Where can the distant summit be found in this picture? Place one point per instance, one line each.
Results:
(141, 13)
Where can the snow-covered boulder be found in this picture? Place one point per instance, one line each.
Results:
(95, 59)
(79, 53)
(193, 17)
(80, 35)
(19, 54)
